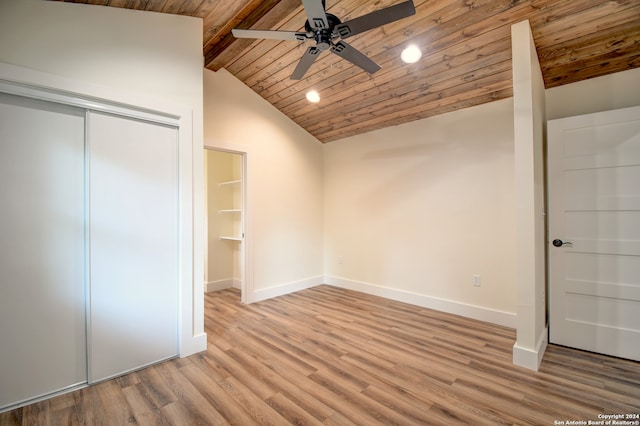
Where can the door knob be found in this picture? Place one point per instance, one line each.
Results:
(560, 243)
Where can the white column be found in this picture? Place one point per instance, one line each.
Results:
(529, 123)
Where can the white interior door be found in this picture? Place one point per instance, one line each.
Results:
(133, 215)
(594, 232)
(42, 251)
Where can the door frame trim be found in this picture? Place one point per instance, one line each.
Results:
(246, 246)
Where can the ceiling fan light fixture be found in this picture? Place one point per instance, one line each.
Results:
(313, 96)
(411, 54)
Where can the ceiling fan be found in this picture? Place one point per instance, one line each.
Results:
(326, 29)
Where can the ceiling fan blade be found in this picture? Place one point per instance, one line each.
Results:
(316, 14)
(346, 51)
(269, 34)
(375, 19)
(305, 63)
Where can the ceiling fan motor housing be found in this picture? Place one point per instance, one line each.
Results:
(322, 36)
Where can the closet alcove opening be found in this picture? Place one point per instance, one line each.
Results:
(225, 216)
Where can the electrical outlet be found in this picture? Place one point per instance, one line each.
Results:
(476, 280)
(339, 260)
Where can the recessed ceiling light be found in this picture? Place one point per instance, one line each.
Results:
(313, 96)
(411, 54)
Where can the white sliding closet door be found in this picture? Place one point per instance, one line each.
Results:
(42, 249)
(133, 230)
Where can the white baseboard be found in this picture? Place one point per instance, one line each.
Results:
(221, 284)
(282, 289)
(531, 358)
(507, 319)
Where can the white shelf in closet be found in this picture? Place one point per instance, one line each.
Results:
(231, 238)
(230, 211)
(230, 182)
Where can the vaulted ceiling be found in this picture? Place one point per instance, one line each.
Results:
(466, 58)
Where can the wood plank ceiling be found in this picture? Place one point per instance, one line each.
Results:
(466, 58)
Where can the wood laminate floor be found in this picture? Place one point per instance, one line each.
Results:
(336, 357)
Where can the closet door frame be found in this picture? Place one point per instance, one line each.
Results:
(41, 86)
(30, 83)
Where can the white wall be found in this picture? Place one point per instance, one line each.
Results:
(284, 227)
(147, 53)
(613, 91)
(414, 211)
(399, 203)
(142, 59)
